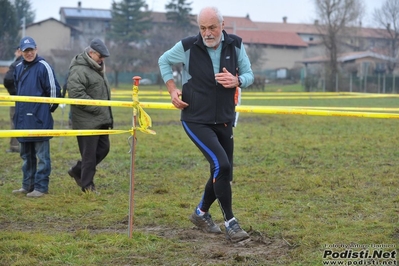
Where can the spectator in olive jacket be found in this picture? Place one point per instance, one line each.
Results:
(87, 80)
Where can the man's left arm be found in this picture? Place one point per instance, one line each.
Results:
(244, 68)
(51, 85)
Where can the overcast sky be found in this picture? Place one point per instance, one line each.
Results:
(297, 11)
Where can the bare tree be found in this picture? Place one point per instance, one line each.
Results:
(387, 17)
(335, 17)
(256, 56)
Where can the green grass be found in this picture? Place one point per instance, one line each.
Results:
(306, 181)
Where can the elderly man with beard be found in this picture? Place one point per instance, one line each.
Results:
(214, 65)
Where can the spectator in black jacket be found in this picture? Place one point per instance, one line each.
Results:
(10, 86)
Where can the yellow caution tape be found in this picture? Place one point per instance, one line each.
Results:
(290, 111)
(143, 119)
(268, 97)
(156, 105)
(57, 133)
(7, 103)
(66, 101)
(384, 109)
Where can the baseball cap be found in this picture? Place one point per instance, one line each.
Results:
(98, 45)
(27, 42)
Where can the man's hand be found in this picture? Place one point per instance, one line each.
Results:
(175, 95)
(176, 101)
(226, 79)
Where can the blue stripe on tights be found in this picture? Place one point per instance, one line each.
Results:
(207, 150)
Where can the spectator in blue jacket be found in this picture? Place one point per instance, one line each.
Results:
(214, 65)
(33, 76)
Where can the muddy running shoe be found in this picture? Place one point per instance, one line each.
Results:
(234, 233)
(205, 223)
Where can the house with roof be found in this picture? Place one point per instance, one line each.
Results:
(361, 63)
(286, 45)
(55, 42)
(273, 47)
(90, 22)
(355, 39)
(51, 34)
(281, 45)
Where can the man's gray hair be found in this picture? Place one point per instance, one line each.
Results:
(215, 9)
(88, 49)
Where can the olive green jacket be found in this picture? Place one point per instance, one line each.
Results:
(87, 80)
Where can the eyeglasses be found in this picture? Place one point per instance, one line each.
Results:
(98, 54)
(29, 50)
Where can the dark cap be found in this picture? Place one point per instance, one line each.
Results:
(98, 45)
(27, 42)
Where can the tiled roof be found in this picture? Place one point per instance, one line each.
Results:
(52, 19)
(313, 29)
(370, 33)
(349, 57)
(362, 54)
(238, 23)
(287, 27)
(271, 38)
(73, 12)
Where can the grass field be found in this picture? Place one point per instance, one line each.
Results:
(303, 186)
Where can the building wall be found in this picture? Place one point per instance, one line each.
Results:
(307, 37)
(50, 35)
(278, 57)
(91, 28)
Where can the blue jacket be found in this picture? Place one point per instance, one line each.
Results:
(35, 79)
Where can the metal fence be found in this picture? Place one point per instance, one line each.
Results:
(378, 83)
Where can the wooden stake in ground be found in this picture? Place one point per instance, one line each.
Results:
(135, 98)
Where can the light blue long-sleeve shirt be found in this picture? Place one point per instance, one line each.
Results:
(176, 55)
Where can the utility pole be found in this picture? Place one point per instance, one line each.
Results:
(23, 26)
